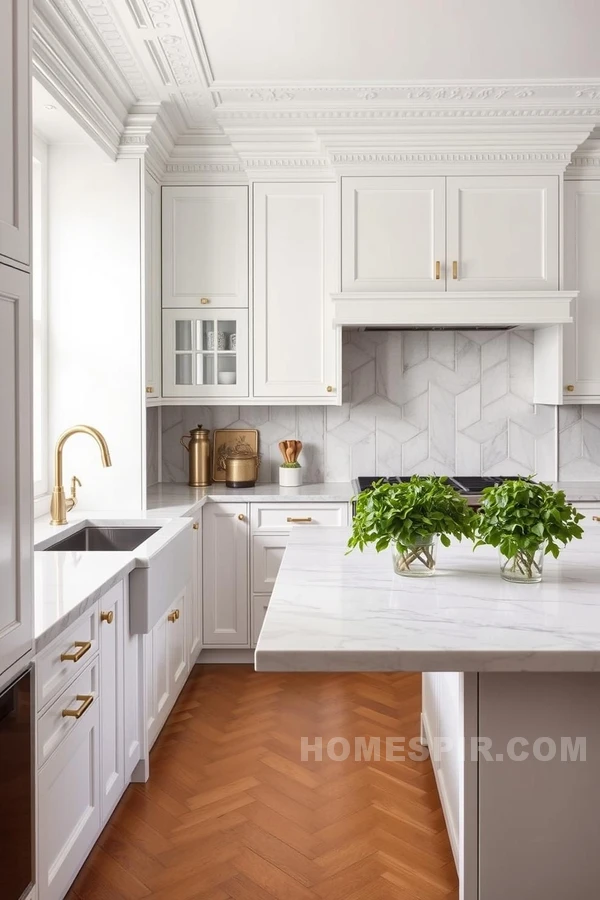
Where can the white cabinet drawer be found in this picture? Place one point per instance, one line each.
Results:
(260, 602)
(68, 796)
(277, 517)
(80, 641)
(53, 726)
(267, 554)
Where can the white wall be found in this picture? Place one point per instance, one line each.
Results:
(96, 321)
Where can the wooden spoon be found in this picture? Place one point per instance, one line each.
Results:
(283, 449)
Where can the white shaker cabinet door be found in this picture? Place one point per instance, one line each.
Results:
(16, 475)
(296, 245)
(582, 273)
(225, 545)
(393, 234)
(205, 246)
(15, 113)
(502, 233)
(69, 806)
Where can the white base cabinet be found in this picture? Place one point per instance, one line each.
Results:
(69, 803)
(242, 550)
(226, 587)
(166, 665)
(88, 734)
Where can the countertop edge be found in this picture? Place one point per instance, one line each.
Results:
(53, 631)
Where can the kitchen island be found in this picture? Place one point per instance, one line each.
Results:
(523, 817)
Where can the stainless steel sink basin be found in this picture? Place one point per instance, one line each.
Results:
(102, 537)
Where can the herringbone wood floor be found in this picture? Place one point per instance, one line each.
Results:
(230, 812)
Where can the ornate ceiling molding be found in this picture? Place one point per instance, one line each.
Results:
(585, 162)
(538, 93)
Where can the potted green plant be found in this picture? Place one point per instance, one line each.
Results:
(411, 516)
(525, 520)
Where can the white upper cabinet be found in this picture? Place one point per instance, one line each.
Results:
(502, 233)
(15, 113)
(152, 285)
(468, 233)
(16, 477)
(393, 234)
(205, 246)
(295, 272)
(205, 353)
(582, 273)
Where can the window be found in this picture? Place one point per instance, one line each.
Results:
(39, 281)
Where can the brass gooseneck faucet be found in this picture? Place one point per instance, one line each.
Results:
(61, 505)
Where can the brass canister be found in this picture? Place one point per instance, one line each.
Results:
(198, 447)
(241, 470)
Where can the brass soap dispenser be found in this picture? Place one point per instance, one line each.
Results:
(199, 452)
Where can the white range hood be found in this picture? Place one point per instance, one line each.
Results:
(453, 309)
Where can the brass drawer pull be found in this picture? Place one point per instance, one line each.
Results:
(149, 390)
(173, 616)
(570, 388)
(455, 269)
(84, 646)
(204, 301)
(241, 517)
(293, 519)
(330, 389)
(196, 526)
(107, 617)
(87, 700)
(595, 518)
(438, 270)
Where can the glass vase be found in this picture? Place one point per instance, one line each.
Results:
(525, 567)
(418, 561)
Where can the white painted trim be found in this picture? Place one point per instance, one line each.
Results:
(40, 271)
(452, 826)
(242, 656)
(460, 309)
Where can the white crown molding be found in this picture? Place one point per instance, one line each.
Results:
(542, 92)
(585, 162)
(61, 64)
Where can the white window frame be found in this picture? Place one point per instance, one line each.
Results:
(41, 487)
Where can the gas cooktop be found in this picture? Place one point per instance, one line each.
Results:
(467, 484)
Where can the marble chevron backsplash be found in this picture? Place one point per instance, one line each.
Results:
(414, 402)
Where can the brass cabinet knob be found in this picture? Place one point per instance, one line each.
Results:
(455, 269)
(149, 390)
(196, 526)
(107, 617)
(570, 387)
(330, 389)
(438, 270)
(173, 616)
(204, 301)
(241, 517)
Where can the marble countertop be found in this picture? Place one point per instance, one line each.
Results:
(332, 612)
(169, 499)
(67, 582)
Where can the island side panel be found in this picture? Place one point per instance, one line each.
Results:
(539, 825)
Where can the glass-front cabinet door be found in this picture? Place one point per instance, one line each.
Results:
(205, 354)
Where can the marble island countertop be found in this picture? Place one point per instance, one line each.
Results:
(335, 612)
